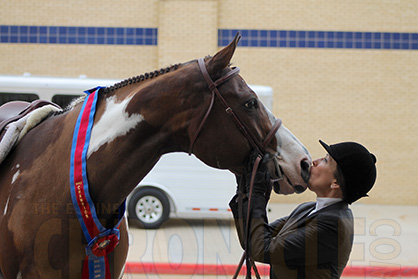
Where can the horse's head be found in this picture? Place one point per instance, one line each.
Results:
(203, 107)
(224, 133)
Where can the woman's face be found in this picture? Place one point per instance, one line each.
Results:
(322, 175)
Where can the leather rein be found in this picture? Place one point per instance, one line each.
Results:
(255, 143)
(213, 87)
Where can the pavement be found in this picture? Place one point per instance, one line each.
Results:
(385, 237)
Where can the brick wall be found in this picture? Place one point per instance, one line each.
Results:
(366, 94)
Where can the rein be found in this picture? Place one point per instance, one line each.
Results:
(255, 143)
(246, 255)
(101, 241)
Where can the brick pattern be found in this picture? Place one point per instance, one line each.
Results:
(366, 94)
(187, 30)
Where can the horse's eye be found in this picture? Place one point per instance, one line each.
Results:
(251, 104)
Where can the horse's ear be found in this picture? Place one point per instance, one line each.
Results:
(222, 58)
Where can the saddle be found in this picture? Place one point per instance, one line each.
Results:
(15, 110)
(17, 118)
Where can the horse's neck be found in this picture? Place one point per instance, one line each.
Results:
(125, 144)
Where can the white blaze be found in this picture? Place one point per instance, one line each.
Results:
(115, 122)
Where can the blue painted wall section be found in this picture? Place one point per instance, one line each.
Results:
(320, 39)
(24, 34)
(28, 34)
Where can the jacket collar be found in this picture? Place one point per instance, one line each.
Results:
(306, 208)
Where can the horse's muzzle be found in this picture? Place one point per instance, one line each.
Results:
(305, 170)
(299, 189)
(278, 174)
(305, 173)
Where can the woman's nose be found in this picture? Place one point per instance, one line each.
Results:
(315, 162)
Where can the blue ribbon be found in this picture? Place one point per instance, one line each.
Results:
(97, 265)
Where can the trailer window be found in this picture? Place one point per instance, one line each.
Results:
(64, 100)
(7, 97)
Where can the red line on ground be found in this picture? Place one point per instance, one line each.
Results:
(213, 269)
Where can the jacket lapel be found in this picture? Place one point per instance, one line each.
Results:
(302, 212)
(297, 215)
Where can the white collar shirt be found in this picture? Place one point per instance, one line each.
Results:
(324, 202)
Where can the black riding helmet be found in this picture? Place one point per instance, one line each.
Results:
(358, 167)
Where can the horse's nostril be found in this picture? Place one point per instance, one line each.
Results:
(304, 165)
(299, 189)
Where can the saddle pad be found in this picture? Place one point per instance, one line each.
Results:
(16, 130)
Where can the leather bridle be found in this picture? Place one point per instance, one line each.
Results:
(260, 147)
(213, 87)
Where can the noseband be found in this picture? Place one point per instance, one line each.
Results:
(252, 139)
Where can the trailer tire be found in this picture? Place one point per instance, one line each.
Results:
(149, 208)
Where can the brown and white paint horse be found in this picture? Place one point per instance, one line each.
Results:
(137, 121)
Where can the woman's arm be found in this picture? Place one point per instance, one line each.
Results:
(314, 241)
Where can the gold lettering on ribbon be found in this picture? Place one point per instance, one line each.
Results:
(80, 199)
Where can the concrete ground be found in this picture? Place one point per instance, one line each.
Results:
(384, 236)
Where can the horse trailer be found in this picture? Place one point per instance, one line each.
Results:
(179, 186)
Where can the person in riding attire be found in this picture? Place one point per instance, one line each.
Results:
(316, 239)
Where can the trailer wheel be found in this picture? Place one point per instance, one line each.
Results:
(149, 208)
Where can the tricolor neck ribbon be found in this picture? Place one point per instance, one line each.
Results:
(101, 241)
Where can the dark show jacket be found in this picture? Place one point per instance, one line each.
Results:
(299, 246)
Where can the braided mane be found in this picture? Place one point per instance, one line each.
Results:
(140, 78)
(118, 85)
